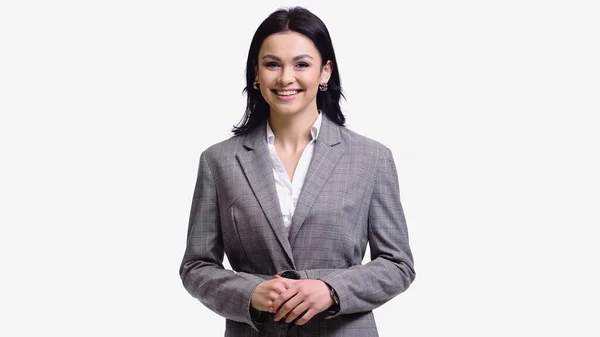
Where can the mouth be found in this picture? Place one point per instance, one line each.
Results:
(286, 94)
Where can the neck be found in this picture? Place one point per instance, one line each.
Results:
(292, 133)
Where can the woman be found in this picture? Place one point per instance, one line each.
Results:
(293, 198)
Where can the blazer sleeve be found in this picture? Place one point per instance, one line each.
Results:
(225, 292)
(391, 269)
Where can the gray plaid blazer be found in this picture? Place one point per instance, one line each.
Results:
(350, 197)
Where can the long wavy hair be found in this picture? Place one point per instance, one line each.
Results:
(300, 20)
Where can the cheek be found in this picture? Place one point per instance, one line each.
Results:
(267, 77)
(311, 81)
(265, 83)
(264, 92)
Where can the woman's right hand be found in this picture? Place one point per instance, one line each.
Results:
(267, 292)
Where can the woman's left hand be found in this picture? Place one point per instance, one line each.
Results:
(305, 296)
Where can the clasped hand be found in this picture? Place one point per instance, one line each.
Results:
(291, 299)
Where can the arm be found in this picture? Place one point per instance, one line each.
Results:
(223, 291)
(391, 269)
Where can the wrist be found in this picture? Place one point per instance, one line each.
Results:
(335, 306)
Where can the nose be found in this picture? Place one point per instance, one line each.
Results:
(286, 76)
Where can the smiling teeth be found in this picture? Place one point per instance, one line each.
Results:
(287, 93)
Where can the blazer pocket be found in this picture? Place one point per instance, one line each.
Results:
(236, 252)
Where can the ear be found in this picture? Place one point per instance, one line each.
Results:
(255, 73)
(326, 72)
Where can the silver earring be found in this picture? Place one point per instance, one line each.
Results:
(323, 86)
(255, 85)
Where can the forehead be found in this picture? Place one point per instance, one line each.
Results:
(287, 45)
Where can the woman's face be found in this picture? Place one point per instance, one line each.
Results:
(289, 72)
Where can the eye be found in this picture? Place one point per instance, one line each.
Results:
(271, 64)
(303, 65)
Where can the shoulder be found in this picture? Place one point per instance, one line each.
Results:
(223, 148)
(361, 145)
(223, 153)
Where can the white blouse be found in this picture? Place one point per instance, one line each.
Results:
(289, 191)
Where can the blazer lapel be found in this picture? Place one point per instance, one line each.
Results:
(326, 155)
(258, 169)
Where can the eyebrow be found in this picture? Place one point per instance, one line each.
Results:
(294, 59)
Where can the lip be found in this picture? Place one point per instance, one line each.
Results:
(289, 97)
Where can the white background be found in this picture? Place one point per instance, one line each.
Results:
(490, 109)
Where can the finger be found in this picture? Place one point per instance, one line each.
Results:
(273, 294)
(308, 315)
(286, 282)
(280, 288)
(300, 309)
(284, 297)
(293, 283)
(279, 281)
(288, 306)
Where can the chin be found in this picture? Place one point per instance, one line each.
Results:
(285, 111)
(288, 109)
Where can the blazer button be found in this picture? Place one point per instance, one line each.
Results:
(291, 274)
